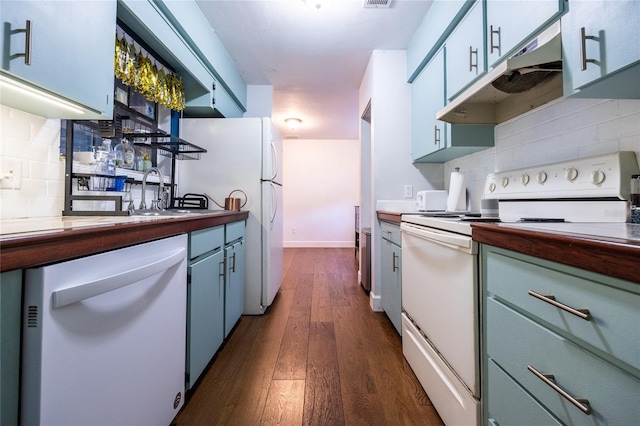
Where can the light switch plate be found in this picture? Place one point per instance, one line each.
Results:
(408, 191)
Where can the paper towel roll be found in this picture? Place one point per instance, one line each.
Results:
(457, 199)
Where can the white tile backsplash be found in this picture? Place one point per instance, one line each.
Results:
(35, 142)
(561, 130)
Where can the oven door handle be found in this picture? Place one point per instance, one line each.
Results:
(448, 239)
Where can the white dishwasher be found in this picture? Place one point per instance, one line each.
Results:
(104, 338)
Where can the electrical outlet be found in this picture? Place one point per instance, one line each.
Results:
(293, 231)
(10, 173)
(408, 191)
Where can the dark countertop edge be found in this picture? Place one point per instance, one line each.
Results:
(389, 216)
(49, 247)
(608, 256)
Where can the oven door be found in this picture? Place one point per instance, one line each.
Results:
(440, 294)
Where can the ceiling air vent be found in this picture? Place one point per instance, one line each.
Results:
(376, 4)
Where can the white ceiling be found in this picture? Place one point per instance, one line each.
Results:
(314, 59)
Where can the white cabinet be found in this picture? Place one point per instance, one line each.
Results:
(510, 23)
(71, 50)
(465, 51)
(601, 44)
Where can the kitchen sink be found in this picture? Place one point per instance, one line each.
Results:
(173, 212)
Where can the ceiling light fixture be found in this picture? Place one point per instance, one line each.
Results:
(293, 122)
(318, 4)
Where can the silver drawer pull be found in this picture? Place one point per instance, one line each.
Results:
(581, 403)
(580, 313)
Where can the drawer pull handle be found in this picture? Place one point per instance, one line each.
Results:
(580, 313)
(548, 379)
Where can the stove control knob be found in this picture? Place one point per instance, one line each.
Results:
(541, 177)
(597, 177)
(571, 174)
(525, 179)
(504, 182)
(492, 187)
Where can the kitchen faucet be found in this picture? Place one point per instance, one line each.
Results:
(159, 204)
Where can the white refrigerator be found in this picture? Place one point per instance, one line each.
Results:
(245, 154)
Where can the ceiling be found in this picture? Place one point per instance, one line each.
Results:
(315, 59)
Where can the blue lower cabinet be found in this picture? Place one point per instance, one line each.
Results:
(234, 285)
(205, 313)
(561, 344)
(10, 306)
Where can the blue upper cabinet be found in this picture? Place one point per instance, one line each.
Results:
(509, 23)
(71, 56)
(601, 49)
(438, 22)
(427, 98)
(180, 34)
(466, 51)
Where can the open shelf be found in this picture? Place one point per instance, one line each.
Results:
(168, 145)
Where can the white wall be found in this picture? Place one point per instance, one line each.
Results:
(561, 130)
(321, 187)
(33, 142)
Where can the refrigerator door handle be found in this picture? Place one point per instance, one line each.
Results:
(274, 202)
(274, 161)
(103, 285)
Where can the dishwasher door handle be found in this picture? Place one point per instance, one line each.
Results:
(449, 239)
(77, 293)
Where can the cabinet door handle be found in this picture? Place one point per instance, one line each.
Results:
(222, 266)
(580, 313)
(491, 44)
(436, 135)
(548, 379)
(393, 262)
(27, 43)
(583, 49)
(233, 263)
(471, 64)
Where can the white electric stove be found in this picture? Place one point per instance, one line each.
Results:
(440, 265)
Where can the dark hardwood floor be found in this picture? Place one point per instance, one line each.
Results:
(319, 356)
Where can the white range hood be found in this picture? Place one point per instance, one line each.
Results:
(530, 78)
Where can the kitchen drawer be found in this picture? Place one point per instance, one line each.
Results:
(515, 342)
(235, 230)
(613, 328)
(391, 231)
(205, 240)
(508, 403)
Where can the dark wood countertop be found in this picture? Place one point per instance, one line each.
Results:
(38, 248)
(389, 216)
(615, 257)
